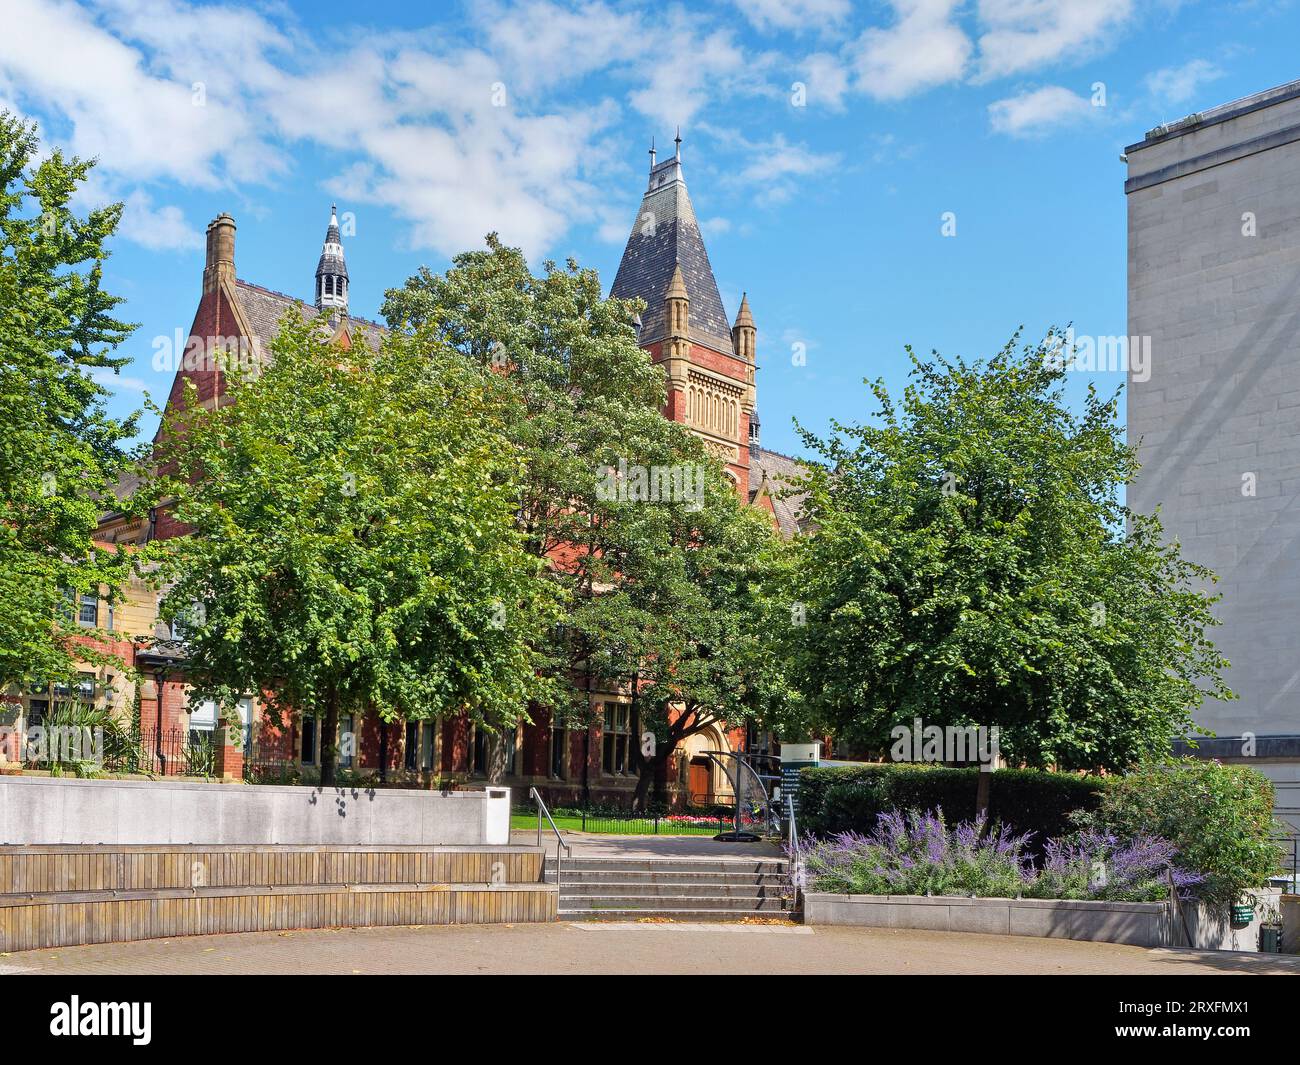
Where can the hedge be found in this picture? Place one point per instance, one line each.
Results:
(849, 798)
(1218, 817)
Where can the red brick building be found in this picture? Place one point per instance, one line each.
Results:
(710, 365)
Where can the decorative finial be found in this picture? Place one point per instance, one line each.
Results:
(678, 141)
(652, 153)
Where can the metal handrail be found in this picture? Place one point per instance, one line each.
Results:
(541, 809)
(796, 853)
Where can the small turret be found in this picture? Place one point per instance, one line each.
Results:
(332, 271)
(679, 305)
(743, 333)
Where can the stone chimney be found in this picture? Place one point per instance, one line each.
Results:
(220, 262)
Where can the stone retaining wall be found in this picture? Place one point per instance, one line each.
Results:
(63, 810)
(1140, 924)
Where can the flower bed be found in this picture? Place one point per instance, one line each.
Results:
(916, 871)
(919, 854)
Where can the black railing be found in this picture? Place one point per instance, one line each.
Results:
(272, 763)
(631, 823)
(153, 752)
(1290, 846)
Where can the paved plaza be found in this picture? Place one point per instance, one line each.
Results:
(617, 948)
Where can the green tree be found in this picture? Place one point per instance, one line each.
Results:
(687, 616)
(353, 544)
(643, 575)
(974, 565)
(60, 452)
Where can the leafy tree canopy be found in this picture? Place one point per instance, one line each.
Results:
(974, 565)
(60, 452)
(659, 585)
(354, 543)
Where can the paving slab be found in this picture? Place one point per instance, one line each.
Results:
(592, 845)
(655, 948)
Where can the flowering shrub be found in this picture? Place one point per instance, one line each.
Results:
(1098, 865)
(919, 853)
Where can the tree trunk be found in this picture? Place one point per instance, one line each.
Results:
(647, 777)
(497, 754)
(328, 742)
(982, 794)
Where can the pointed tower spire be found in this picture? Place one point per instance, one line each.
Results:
(665, 238)
(743, 316)
(744, 339)
(677, 285)
(652, 153)
(332, 271)
(709, 365)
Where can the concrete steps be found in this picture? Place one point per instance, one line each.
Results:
(682, 889)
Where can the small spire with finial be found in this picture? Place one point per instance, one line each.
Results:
(652, 153)
(678, 141)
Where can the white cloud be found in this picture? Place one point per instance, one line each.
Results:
(114, 380)
(683, 78)
(543, 44)
(161, 229)
(1177, 85)
(827, 80)
(1021, 35)
(1037, 112)
(923, 49)
(407, 120)
(773, 169)
(888, 149)
(797, 15)
(136, 120)
(416, 127)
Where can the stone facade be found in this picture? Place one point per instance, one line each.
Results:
(1214, 282)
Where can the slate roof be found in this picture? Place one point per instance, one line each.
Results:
(665, 234)
(777, 472)
(264, 308)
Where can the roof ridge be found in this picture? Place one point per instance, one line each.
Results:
(303, 303)
(763, 448)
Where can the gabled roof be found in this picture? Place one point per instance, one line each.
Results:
(264, 308)
(773, 474)
(666, 236)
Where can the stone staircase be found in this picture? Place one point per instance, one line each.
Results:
(682, 889)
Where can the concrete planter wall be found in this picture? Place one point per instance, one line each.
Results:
(1139, 924)
(69, 811)
(1290, 907)
(1211, 927)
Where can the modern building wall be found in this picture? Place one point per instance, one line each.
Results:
(1214, 281)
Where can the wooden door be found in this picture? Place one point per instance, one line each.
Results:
(699, 783)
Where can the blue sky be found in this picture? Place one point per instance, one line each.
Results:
(435, 123)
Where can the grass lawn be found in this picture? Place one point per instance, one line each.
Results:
(524, 822)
